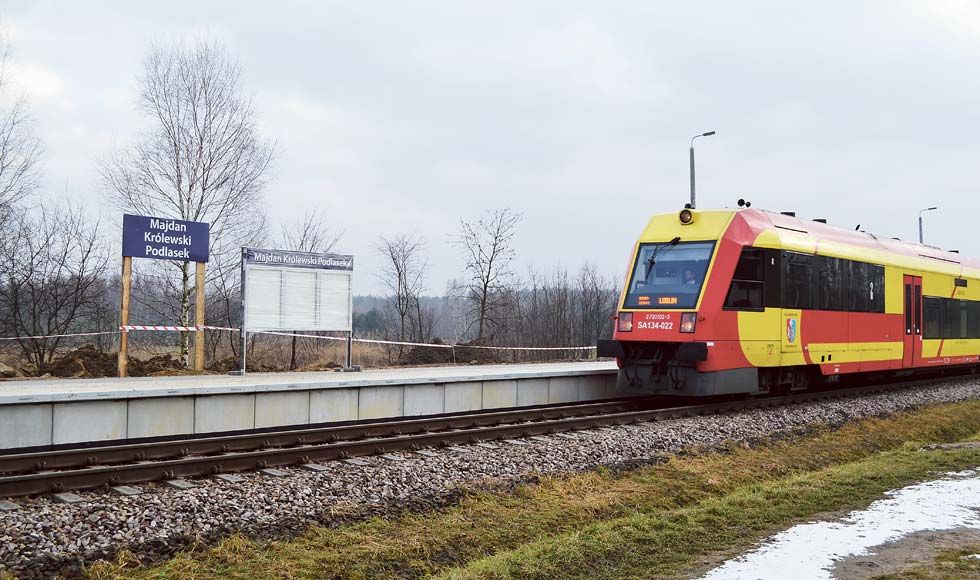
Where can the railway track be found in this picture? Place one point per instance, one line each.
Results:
(71, 469)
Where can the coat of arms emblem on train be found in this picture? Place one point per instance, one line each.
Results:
(791, 329)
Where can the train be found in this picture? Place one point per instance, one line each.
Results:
(751, 302)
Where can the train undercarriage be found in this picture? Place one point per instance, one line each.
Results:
(670, 368)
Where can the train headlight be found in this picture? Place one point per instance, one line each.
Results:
(625, 322)
(688, 321)
(686, 216)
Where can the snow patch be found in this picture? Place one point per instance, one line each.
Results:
(809, 551)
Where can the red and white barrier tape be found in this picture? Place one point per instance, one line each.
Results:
(44, 336)
(527, 347)
(195, 328)
(367, 340)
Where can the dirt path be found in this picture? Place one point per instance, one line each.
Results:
(913, 550)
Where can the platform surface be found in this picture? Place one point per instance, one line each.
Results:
(55, 390)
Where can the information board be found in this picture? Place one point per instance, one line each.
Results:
(287, 290)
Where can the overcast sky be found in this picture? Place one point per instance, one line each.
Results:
(407, 116)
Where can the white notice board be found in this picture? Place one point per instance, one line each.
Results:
(297, 291)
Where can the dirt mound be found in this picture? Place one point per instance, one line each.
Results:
(8, 372)
(163, 364)
(463, 353)
(482, 356)
(84, 362)
(427, 355)
(233, 363)
(87, 362)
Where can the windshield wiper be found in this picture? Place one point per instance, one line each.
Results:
(657, 251)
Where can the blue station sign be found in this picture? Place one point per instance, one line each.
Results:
(165, 238)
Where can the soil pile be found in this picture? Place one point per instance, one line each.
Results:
(163, 364)
(8, 372)
(462, 353)
(427, 355)
(479, 356)
(232, 363)
(87, 362)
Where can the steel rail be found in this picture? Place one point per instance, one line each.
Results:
(126, 452)
(387, 438)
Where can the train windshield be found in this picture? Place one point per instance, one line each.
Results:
(668, 275)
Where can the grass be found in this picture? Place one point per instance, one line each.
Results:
(657, 521)
(948, 565)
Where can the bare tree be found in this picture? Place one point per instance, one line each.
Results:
(487, 245)
(53, 264)
(20, 149)
(403, 273)
(597, 299)
(311, 234)
(202, 159)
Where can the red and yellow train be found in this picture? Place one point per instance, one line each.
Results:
(750, 301)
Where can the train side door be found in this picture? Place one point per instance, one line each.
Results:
(912, 353)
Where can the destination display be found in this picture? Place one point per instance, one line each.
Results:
(165, 238)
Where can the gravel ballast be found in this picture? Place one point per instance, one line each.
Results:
(45, 538)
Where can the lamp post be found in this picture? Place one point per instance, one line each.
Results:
(922, 211)
(708, 134)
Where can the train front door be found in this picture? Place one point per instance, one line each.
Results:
(912, 353)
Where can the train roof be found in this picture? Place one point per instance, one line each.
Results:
(759, 227)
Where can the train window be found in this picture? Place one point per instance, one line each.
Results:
(747, 290)
(956, 319)
(745, 295)
(772, 275)
(964, 319)
(796, 280)
(749, 265)
(830, 283)
(908, 309)
(918, 303)
(858, 287)
(932, 317)
(668, 275)
(973, 320)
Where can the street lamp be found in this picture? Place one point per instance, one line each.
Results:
(708, 134)
(922, 211)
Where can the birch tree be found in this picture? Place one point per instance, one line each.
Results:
(403, 273)
(202, 158)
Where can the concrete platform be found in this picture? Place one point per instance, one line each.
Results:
(53, 412)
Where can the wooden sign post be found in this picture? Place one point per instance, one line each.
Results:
(127, 276)
(199, 319)
(163, 239)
